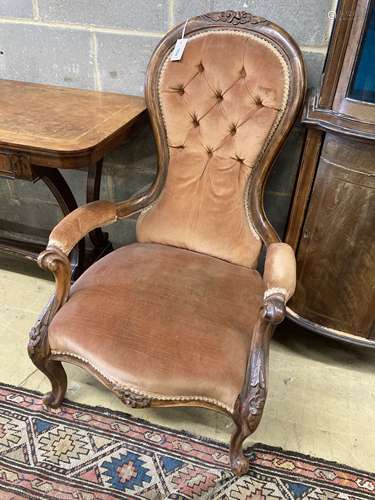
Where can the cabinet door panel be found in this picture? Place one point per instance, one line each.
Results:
(336, 256)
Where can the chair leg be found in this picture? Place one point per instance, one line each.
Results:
(238, 462)
(56, 374)
(247, 415)
(248, 409)
(40, 355)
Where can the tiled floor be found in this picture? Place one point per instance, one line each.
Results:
(321, 393)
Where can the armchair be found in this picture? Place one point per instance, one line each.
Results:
(182, 317)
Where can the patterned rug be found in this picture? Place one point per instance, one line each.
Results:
(88, 453)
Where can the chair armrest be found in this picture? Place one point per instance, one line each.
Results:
(74, 227)
(67, 233)
(280, 271)
(63, 239)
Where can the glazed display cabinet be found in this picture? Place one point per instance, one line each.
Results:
(332, 221)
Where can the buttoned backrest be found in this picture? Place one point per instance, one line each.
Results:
(220, 106)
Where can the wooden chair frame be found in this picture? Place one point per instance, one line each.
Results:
(249, 405)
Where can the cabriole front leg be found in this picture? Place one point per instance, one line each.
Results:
(249, 407)
(39, 350)
(250, 403)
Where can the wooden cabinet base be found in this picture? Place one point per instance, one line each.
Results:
(329, 332)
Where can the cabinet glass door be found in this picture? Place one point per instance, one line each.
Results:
(362, 87)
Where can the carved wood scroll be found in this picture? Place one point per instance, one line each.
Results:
(234, 17)
(39, 330)
(17, 166)
(131, 398)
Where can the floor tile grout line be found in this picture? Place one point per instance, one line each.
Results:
(94, 55)
(314, 49)
(171, 21)
(80, 27)
(92, 28)
(21, 384)
(24, 309)
(36, 13)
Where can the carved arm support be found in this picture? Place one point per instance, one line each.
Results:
(280, 280)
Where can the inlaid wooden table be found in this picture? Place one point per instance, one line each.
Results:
(45, 128)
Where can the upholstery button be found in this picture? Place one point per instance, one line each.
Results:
(200, 67)
(233, 129)
(219, 95)
(243, 72)
(239, 159)
(258, 101)
(179, 89)
(209, 152)
(195, 120)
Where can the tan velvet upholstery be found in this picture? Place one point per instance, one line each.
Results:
(80, 222)
(220, 105)
(182, 317)
(163, 320)
(280, 270)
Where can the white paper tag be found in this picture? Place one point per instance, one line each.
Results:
(179, 49)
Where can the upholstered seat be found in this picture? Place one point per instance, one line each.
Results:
(144, 314)
(182, 317)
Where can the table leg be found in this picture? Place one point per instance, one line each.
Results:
(99, 239)
(65, 198)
